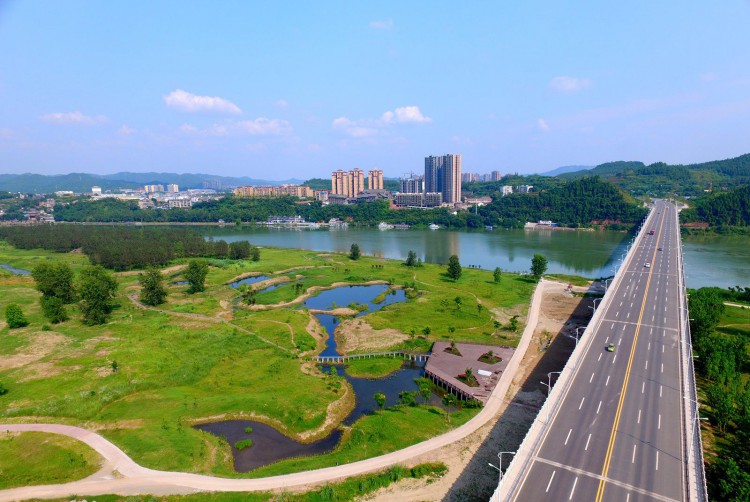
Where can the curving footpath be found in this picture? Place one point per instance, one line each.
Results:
(122, 476)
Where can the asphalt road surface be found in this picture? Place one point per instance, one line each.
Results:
(617, 434)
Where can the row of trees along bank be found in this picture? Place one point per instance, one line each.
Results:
(123, 248)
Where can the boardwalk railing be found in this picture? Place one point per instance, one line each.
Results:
(343, 359)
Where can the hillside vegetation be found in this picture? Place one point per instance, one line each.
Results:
(728, 209)
(659, 179)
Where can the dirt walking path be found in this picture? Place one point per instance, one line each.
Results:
(128, 478)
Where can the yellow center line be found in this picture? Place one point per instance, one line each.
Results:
(611, 445)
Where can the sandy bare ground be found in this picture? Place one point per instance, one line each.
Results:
(357, 334)
(469, 476)
(166, 271)
(123, 476)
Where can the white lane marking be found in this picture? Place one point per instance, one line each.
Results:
(662, 349)
(662, 367)
(649, 346)
(600, 357)
(592, 378)
(572, 491)
(627, 499)
(621, 304)
(606, 340)
(582, 400)
(613, 326)
(632, 460)
(631, 305)
(587, 443)
(657, 460)
(598, 407)
(619, 341)
(643, 387)
(646, 365)
(568, 436)
(628, 315)
(651, 332)
(550, 481)
(617, 313)
(614, 359)
(665, 308)
(652, 318)
(665, 320)
(661, 387)
(607, 382)
(659, 424)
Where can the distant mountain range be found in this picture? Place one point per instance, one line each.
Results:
(566, 169)
(82, 182)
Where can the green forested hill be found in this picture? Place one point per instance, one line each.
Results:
(659, 179)
(576, 203)
(728, 209)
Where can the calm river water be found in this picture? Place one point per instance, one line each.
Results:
(710, 261)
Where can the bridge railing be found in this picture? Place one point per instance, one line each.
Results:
(511, 479)
(695, 468)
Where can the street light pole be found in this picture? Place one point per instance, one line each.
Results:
(549, 390)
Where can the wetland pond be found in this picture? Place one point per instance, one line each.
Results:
(13, 270)
(270, 445)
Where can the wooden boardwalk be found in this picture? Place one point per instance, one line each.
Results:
(343, 359)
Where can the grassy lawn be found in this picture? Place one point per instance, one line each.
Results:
(37, 458)
(175, 371)
(373, 368)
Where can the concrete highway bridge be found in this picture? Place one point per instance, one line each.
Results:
(621, 421)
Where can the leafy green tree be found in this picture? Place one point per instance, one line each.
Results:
(513, 323)
(55, 280)
(411, 259)
(727, 481)
(721, 400)
(195, 274)
(497, 274)
(425, 387)
(379, 398)
(407, 398)
(454, 268)
(97, 289)
(458, 301)
(538, 265)
(53, 309)
(153, 291)
(239, 250)
(354, 252)
(14, 316)
(255, 253)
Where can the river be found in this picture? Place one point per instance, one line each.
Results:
(710, 261)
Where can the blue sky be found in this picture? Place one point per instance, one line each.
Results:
(276, 90)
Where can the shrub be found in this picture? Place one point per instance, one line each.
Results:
(14, 316)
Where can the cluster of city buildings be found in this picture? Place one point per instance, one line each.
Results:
(156, 196)
(469, 177)
(274, 191)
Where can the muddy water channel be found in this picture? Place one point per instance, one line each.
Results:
(269, 445)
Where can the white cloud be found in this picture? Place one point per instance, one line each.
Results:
(355, 129)
(73, 118)
(186, 102)
(364, 128)
(126, 131)
(569, 84)
(542, 125)
(283, 104)
(264, 127)
(258, 127)
(386, 24)
(404, 115)
(6, 133)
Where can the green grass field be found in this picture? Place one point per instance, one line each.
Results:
(202, 360)
(36, 458)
